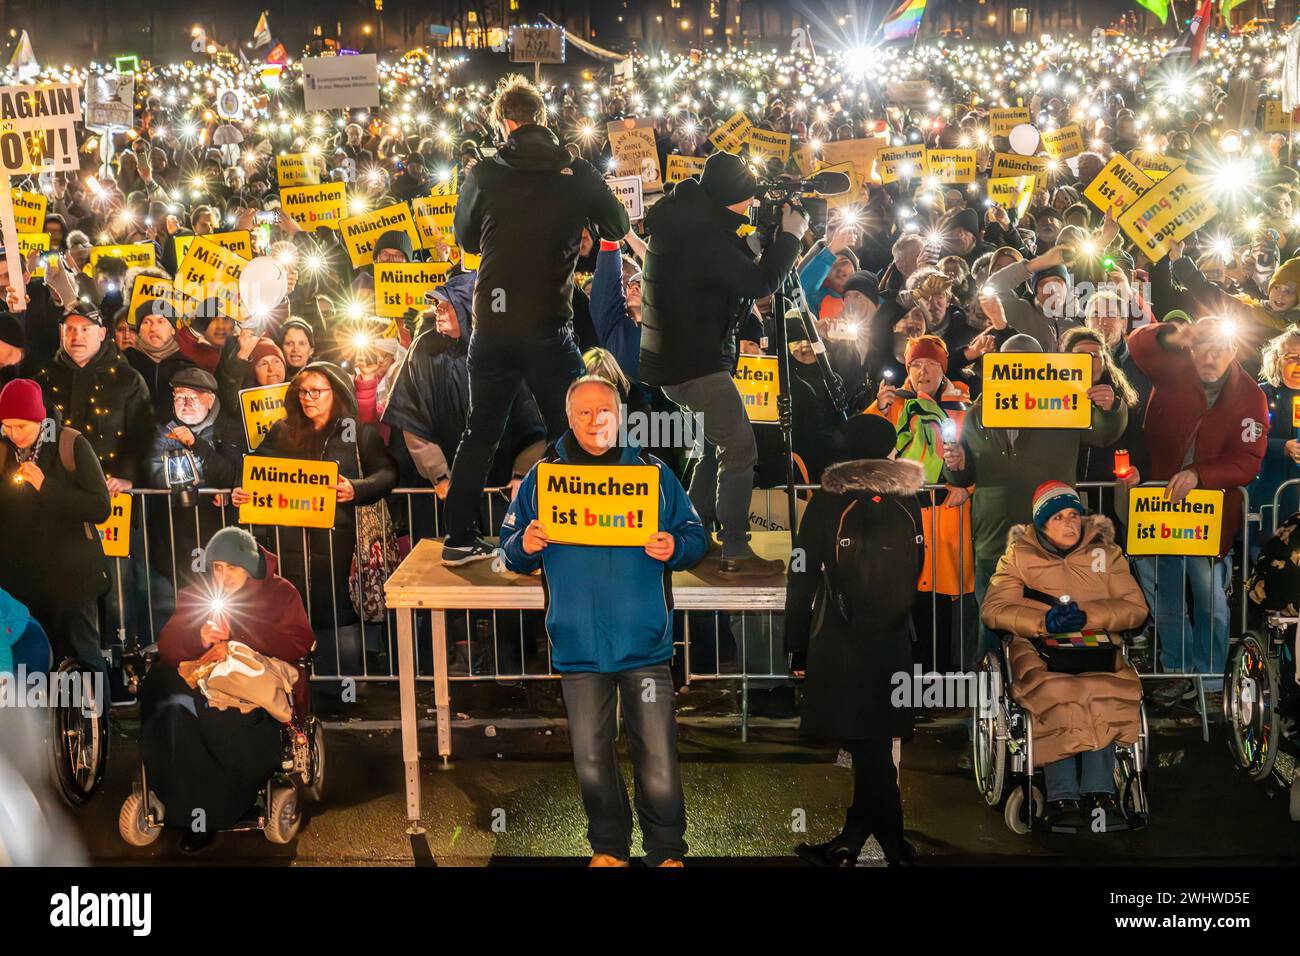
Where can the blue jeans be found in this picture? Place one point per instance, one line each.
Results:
(1094, 772)
(1198, 646)
(646, 694)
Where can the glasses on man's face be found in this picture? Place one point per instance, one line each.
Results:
(186, 396)
(314, 393)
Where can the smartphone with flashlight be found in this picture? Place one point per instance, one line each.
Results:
(270, 217)
(948, 431)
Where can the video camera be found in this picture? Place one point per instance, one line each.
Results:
(774, 193)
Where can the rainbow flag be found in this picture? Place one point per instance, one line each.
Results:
(903, 23)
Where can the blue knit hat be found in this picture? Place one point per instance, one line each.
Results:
(1052, 497)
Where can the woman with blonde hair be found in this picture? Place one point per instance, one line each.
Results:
(1281, 385)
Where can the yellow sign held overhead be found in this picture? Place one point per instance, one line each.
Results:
(298, 169)
(952, 166)
(683, 167)
(136, 254)
(240, 242)
(1012, 193)
(1117, 185)
(29, 242)
(902, 162)
(290, 492)
(1169, 211)
(148, 288)
(770, 145)
(434, 216)
(1007, 165)
(598, 504)
(400, 286)
(262, 407)
(29, 210)
(1004, 119)
(1191, 527)
(1063, 143)
(210, 271)
(361, 232)
(1037, 390)
(312, 206)
(731, 135)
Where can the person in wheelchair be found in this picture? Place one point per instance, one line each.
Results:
(24, 648)
(1062, 575)
(206, 761)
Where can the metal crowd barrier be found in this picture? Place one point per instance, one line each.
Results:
(511, 646)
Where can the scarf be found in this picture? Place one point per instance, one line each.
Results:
(158, 354)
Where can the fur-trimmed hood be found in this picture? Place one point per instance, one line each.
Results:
(880, 476)
(1095, 528)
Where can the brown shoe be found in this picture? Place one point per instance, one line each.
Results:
(672, 863)
(604, 859)
(751, 565)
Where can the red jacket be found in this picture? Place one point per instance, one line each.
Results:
(203, 354)
(1230, 438)
(267, 615)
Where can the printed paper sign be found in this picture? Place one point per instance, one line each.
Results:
(400, 286)
(769, 145)
(361, 232)
(628, 191)
(952, 166)
(29, 242)
(1118, 184)
(262, 407)
(1063, 143)
(340, 82)
(290, 492)
(37, 128)
(756, 380)
(632, 142)
(148, 288)
(1006, 165)
(1276, 119)
(598, 504)
(115, 533)
(1169, 211)
(211, 271)
(1003, 120)
(298, 169)
(1156, 165)
(136, 254)
(902, 162)
(312, 206)
(1191, 527)
(29, 210)
(434, 216)
(40, 107)
(1026, 390)
(1012, 193)
(683, 167)
(732, 134)
(239, 242)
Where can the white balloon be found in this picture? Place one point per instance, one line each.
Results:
(1024, 139)
(263, 284)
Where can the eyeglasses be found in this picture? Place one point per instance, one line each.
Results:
(184, 395)
(315, 393)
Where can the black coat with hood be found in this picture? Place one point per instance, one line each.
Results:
(523, 211)
(50, 552)
(697, 274)
(861, 532)
(365, 462)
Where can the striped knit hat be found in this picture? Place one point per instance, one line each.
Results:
(1051, 497)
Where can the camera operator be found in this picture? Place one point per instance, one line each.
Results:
(698, 275)
(524, 212)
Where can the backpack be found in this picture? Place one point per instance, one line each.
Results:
(841, 573)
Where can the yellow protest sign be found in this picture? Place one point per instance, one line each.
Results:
(756, 380)
(1006, 165)
(210, 271)
(298, 169)
(731, 135)
(769, 145)
(147, 288)
(29, 242)
(1169, 211)
(133, 254)
(469, 261)
(632, 143)
(1295, 411)
(952, 166)
(1276, 119)
(360, 232)
(29, 210)
(1064, 142)
(1191, 527)
(683, 167)
(1156, 165)
(1004, 119)
(902, 162)
(290, 492)
(239, 242)
(1037, 390)
(852, 194)
(262, 407)
(1012, 193)
(1118, 184)
(433, 219)
(115, 533)
(400, 286)
(598, 504)
(860, 152)
(312, 206)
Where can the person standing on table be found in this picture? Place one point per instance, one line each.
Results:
(609, 618)
(523, 211)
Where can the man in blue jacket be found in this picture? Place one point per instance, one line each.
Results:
(609, 619)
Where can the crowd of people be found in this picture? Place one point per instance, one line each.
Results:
(557, 316)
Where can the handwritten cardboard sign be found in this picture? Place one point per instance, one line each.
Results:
(598, 504)
(632, 142)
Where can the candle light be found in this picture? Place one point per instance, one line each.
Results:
(1122, 466)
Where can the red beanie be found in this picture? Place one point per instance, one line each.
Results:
(927, 347)
(262, 349)
(21, 399)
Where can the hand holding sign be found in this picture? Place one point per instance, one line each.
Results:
(535, 538)
(1181, 483)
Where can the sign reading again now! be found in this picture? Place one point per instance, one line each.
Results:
(598, 504)
(290, 492)
(1191, 527)
(1035, 390)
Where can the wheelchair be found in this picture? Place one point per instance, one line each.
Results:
(1002, 743)
(278, 808)
(77, 737)
(1259, 690)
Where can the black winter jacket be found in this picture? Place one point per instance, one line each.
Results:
(158, 378)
